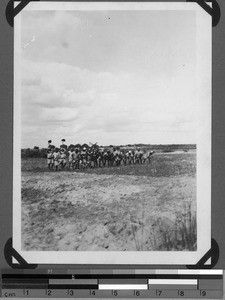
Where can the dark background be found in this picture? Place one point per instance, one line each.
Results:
(218, 134)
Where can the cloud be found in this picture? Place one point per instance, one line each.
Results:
(71, 98)
(87, 78)
(86, 101)
(58, 115)
(65, 100)
(55, 85)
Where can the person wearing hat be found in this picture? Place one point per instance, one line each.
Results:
(49, 144)
(63, 146)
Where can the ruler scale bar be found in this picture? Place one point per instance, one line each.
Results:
(114, 271)
(25, 286)
(69, 286)
(123, 286)
(108, 276)
(122, 276)
(38, 276)
(73, 281)
(123, 281)
(120, 283)
(111, 294)
(173, 281)
(172, 287)
(24, 280)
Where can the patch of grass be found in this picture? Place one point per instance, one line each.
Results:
(34, 165)
(181, 236)
(168, 150)
(161, 165)
(31, 195)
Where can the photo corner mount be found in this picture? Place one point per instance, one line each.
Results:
(10, 253)
(212, 254)
(11, 11)
(214, 11)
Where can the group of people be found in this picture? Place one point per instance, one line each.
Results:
(94, 156)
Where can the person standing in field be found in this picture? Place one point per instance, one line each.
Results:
(63, 158)
(76, 159)
(49, 158)
(49, 144)
(63, 145)
(83, 161)
(56, 156)
(149, 157)
(138, 155)
(71, 157)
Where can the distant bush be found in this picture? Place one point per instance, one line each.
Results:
(33, 153)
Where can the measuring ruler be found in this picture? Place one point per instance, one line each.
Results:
(102, 283)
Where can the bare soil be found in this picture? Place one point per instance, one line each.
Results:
(115, 209)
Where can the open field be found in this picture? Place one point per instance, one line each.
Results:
(138, 207)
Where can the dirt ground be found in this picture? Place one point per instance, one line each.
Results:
(141, 207)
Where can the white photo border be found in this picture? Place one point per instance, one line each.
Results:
(203, 77)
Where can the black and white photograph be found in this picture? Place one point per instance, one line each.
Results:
(112, 133)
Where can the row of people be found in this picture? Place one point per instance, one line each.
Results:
(84, 158)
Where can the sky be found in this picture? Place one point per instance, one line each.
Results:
(111, 77)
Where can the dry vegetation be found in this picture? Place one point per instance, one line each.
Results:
(138, 207)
